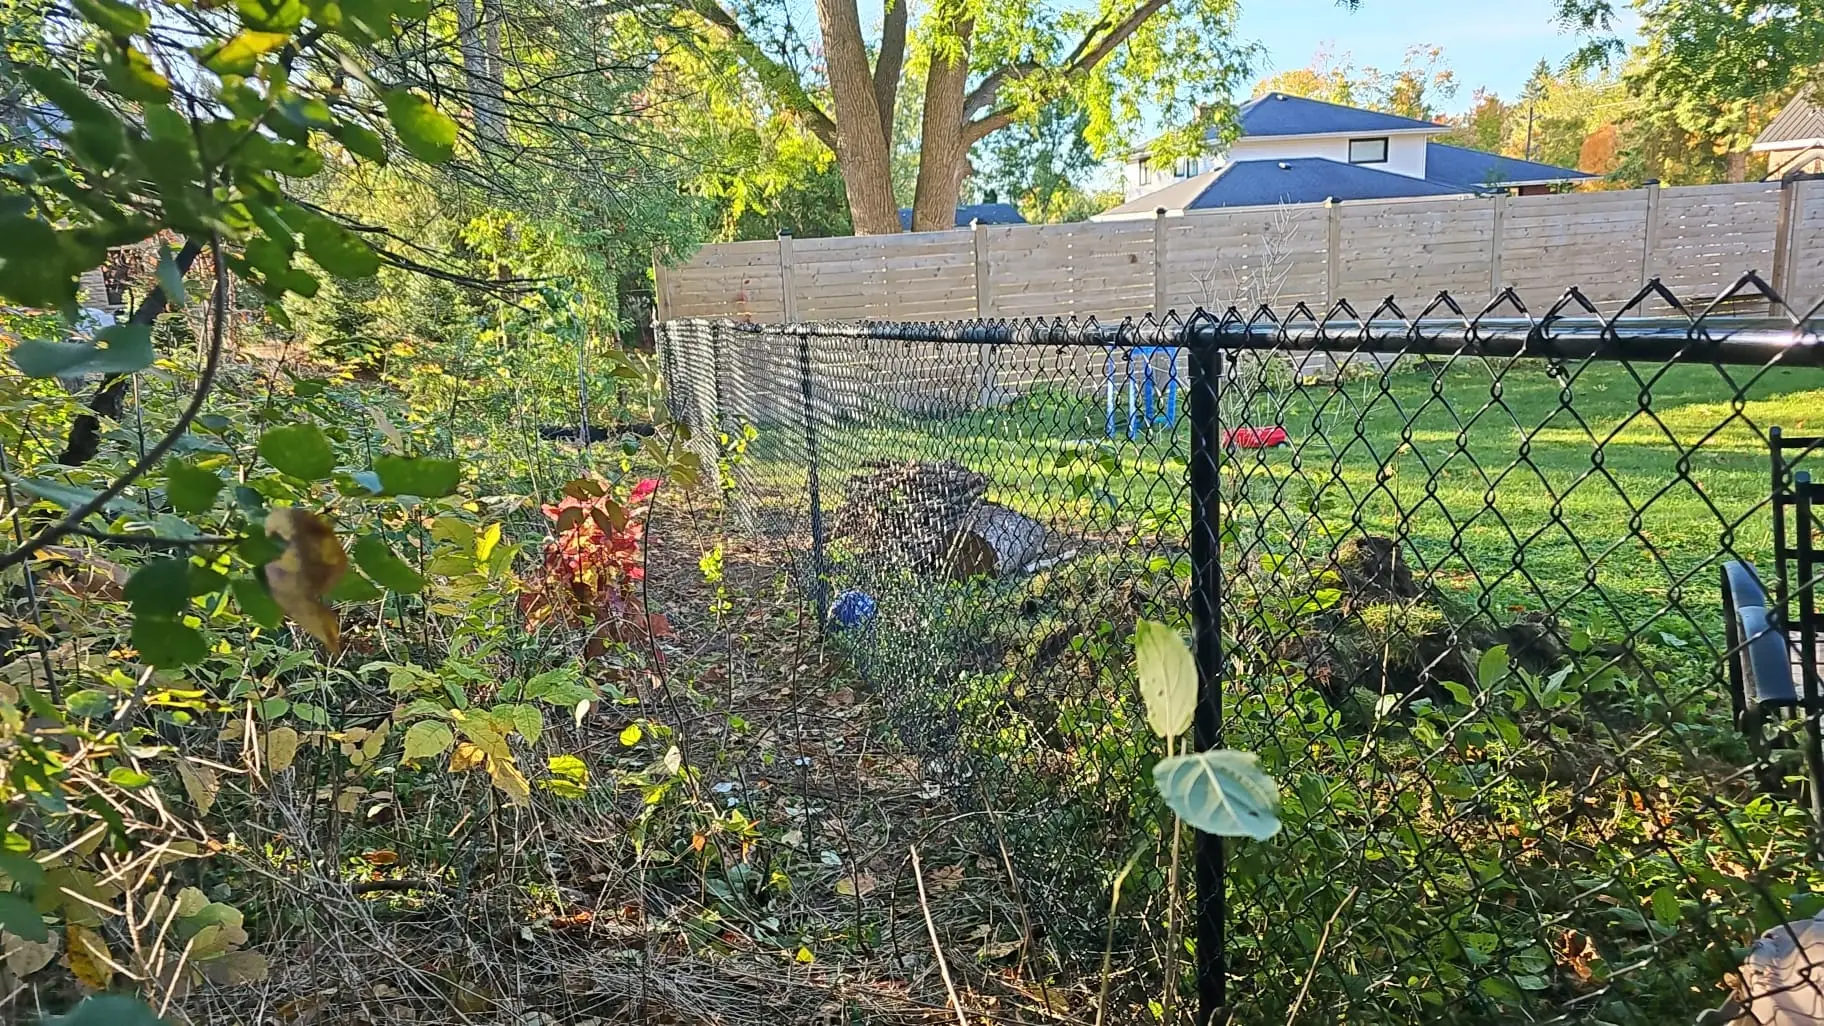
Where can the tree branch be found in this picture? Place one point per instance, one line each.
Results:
(779, 79)
(85, 433)
(1091, 50)
(204, 383)
(890, 63)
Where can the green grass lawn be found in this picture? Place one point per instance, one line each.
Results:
(1513, 485)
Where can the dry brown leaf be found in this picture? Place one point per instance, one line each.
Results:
(201, 783)
(24, 957)
(944, 878)
(281, 749)
(312, 563)
(383, 857)
(88, 957)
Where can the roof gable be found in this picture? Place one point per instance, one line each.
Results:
(1476, 169)
(1283, 114)
(1797, 124)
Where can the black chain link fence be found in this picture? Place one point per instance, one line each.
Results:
(1456, 577)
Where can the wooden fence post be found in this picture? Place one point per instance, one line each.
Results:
(1159, 275)
(1333, 254)
(1651, 242)
(788, 289)
(661, 285)
(984, 308)
(1494, 246)
(1783, 231)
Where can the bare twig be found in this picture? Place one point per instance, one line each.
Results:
(74, 518)
(1317, 956)
(937, 950)
(1108, 946)
(153, 541)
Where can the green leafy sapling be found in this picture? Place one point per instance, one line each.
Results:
(1218, 791)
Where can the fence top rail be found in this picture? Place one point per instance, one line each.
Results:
(1572, 329)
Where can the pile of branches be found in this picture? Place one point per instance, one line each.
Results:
(935, 516)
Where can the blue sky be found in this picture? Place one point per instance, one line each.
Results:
(1489, 45)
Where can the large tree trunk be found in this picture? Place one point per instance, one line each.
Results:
(476, 72)
(861, 146)
(1738, 166)
(941, 147)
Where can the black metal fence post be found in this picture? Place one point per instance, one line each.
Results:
(819, 570)
(1206, 620)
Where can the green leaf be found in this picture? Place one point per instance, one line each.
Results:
(528, 721)
(19, 918)
(132, 75)
(338, 251)
(1500, 989)
(167, 643)
(360, 141)
(300, 450)
(239, 55)
(21, 868)
(1168, 678)
(108, 1010)
(190, 489)
(115, 18)
(128, 777)
(89, 705)
(427, 738)
(1665, 906)
(426, 131)
(353, 587)
(1491, 667)
(389, 571)
(426, 477)
(128, 350)
(271, 15)
(65, 495)
(160, 588)
(170, 279)
(1220, 792)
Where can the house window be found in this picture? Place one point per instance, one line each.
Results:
(1185, 167)
(1146, 173)
(1368, 151)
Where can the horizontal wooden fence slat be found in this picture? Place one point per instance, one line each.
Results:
(1698, 240)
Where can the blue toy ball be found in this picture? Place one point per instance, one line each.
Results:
(852, 609)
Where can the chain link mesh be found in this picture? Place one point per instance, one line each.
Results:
(1453, 576)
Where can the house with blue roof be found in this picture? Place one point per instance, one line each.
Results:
(969, 213)
(1298, 150)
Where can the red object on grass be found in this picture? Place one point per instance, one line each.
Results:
(1255, 438)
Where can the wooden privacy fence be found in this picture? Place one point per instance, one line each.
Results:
(1696, 239)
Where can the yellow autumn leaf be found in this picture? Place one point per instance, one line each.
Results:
(466, 757)
(281, 749)
(510, 780)
(350, 800)
(88, 957)
(312, 563)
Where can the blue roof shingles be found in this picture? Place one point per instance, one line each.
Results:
(987, 213)
(1474, 169)
(1280, 114)
(1255, 183)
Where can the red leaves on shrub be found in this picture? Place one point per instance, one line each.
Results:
(592, 568)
